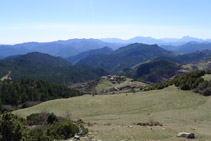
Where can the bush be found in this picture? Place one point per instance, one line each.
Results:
(205, 92)
(52, 118)
(12, 128)
(63, 130)
(37, 118)
(48, 128)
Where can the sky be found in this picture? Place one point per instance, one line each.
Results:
(50, 20)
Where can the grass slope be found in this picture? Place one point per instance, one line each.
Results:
(104, 84)
(114, 114)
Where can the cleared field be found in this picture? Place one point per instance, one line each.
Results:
(115, 115)
(207, 77)
(106, 84)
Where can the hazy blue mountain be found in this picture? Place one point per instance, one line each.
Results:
(145, 40)
(189, 39)
(125, 57)
(88, 44)
(80, 56)
(61, 48)
(162, 41)
(113, 40)
(189, 47)
(9, 50)
(138, 39)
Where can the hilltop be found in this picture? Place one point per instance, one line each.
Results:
(154, 71)
(125, 57)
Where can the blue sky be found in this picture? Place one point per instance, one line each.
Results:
(48, 20)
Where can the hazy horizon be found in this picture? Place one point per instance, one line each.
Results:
(50, 20)
(125, 39)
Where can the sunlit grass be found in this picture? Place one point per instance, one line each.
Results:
(115, 115)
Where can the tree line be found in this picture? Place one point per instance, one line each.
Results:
(13, 92)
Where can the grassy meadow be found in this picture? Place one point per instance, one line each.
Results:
(114, 116)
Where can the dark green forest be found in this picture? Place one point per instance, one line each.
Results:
(22, 92)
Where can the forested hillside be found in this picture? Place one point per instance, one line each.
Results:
(40, 66)
(23, 92)
(154, 71)
(125, 57)
(188, 58)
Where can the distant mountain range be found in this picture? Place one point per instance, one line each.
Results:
(125, 57)
(39, 66)
(189, 47)
(73, 47)
(60, 48)
(150, 40)
(142, 61)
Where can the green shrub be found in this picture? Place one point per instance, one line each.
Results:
(52, 118)
(37, 118)
(48, 127)
(39, 134)
(12, 128)
(63, 130)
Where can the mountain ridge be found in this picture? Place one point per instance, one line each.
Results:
(125, 57)
(159, 41)
(75, 59)
(63, 48)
